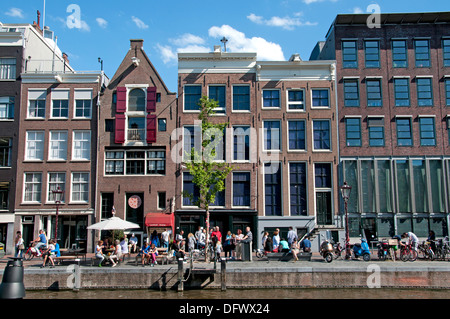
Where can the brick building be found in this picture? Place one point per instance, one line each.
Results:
(135, 174)
(393, 95)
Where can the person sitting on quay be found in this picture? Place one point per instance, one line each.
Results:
(284, 246)
(99, 252)
(50, 254)
(295, 249)
(145, 251)
(306, 245)
(153, 252)
(132, 243)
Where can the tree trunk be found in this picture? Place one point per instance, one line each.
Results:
(207, 257)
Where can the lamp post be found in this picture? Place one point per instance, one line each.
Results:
(57, 197)
(345, 192)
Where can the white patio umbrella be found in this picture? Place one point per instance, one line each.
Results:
(113, 223)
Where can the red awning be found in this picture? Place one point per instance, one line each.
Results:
(159, 220)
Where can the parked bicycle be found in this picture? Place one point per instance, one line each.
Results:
(425, 251)
(442, 249)
(407, 253)
(32, 252)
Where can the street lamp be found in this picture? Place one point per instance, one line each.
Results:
(345, 192)
(57, 198)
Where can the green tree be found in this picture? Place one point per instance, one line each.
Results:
(208, 174)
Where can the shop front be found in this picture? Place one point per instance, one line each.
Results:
(159, 222)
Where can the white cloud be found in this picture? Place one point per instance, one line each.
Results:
(187, 39)
(15, 12)
(167, 53)
(238, 42)
(139, 23)
(287, 23)
(84, 26)
(357, 10)
(314, 1)
(102, 22)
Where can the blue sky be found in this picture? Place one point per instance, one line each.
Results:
(274, 29)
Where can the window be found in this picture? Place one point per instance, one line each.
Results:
(4, 195)
(427, 131)
(5, 151)
(322, 175)
(81, 145)
(55, 180)
(219, 200)
(241, 98)
(60, 104)
(404, 132)
(162, 125)
(401, 92)
(399, 54)
(7, 107)
(320, 98)
(424, 92)
(272, 189)
(296, 100)
(349, 54)
(114, 163)
(422, 53)
(136, 100)
(321, 134)
(351, 93)
(156, 162)
(297, 189)
(191, 139)
(109, 125)
(7, 68)
(353, 131)
(446, 51)
(35, 146)
(80, 187)
(217, 93)
(447, 92)
(36, 103)
(107, 205)
(372, 53)
(272, 135)
(241, 143)
(161, 200)
(58, 145)
(189, 188)
(83, 104)
(271, 98)
(32, 187)
(241, 189)
(373, 87)
(136, 128)
(296, 135)
(192, 95)
(420, 186)
(403, 174)
(376, 131)
(135, 163)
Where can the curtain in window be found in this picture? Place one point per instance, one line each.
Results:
(241, 189)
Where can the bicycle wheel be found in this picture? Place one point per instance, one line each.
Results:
(404, 255)
(412, 255)
(28, 255)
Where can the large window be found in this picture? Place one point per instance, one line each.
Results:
(321, 135)
(7, 107)
(107, 205)
(60, 104)
(135, 162)
(81, 145)
(427, 131)
(189, 188)
(58, 145)
(241, 189)
(376, 131)
(4, 195)
(32, 187)
(446, 51)
(191, 139)
(7, 68)
(5, 151)
(36, 104)
(192, 96)
(80, 187)
(424, 92)
(297, 189)
(447, 92)
(399, 54)
(403, 186)
(296, 100)
(374, 97)
(271, 98)
(404, 132)
(422, 53)
(320, 98)
(372, 53)
(349, 54)
(241, 98)
(420, 186)
(114, 163)
(297, 135)
(83, 104)
(34, 146)
(368, 186)
(401, 92)
(272, 135)
(217, 93)
(55, 180)
(241, 143)
(353, 131)
(272, 189)
(351, 92)
(156, 162)
(136, 100)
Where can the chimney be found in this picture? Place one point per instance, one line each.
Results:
(136, 43)
(37, 25)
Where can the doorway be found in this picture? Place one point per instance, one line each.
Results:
(323, 208)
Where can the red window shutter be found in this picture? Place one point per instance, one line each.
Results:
(151, 128)
(119, 136)
(151, 99)
(121, 104)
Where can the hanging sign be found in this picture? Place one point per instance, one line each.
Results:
(134, 201)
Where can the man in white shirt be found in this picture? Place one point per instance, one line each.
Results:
(412, 239)
(239, 238)
(165, 239)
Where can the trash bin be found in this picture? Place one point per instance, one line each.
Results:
(246, 250)
(2, 250)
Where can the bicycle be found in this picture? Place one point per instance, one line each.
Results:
(442, 248)
(407, 253)
(31, 251)
(425, 251)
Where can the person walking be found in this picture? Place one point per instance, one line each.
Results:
(19, 245)
(291, 236)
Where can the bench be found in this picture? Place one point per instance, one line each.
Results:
(287, 256)
(60, 259)
(162, 258)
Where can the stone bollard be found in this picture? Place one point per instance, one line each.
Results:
(12, 286)
(223, 275)
(180, 275)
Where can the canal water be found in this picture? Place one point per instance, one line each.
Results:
(242, 294)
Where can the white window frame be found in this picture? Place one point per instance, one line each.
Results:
(184, 98)
(82, 95)
(289, 185)
(72, 188)
(61, 147)
(33, 183)
(279, 149)
(60, 95)
(36, 95)
(37, 149)
(271, 107)
(232, 189)
(287, 135)
(302, 103)
(76, 149)
(249, 98)
(312, 137)
(50, 199)
(329, 98)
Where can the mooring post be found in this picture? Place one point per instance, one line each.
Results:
(223, 275)
(180, 274)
